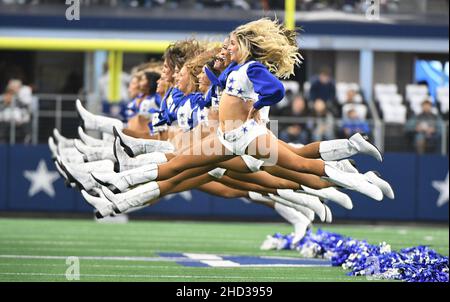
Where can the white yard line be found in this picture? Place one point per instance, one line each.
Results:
(113, 258)
(149, 276)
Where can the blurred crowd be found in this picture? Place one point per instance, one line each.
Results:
(15, 111)
(302, 5)
(322, 116)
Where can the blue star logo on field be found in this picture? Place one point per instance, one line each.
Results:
(41, 180)
(442, 187)
(212, 260)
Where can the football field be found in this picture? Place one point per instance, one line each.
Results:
(38, 250)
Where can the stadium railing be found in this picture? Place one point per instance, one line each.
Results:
(50, 111)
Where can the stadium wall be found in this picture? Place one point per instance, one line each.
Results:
(29, 183)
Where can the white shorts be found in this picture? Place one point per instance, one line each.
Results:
(237, 140)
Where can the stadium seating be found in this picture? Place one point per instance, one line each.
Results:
(390, 103)
(415, 95)
(341, 92)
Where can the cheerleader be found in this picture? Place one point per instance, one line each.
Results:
(257, 49)
(140, 111)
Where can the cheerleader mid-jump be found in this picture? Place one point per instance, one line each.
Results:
(256, 49)
(250, 89)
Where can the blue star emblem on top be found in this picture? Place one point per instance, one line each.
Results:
(240, 90)
(230, 88)
(181, 114)
(253, 122)
(244, 129)
(216, 102)
(231, 80)
(202, 117)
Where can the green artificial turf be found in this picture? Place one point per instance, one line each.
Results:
(64, 238)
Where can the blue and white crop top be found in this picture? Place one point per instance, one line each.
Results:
(169, 104)
(146, 108)
(212, 97)
(186, 109)
(253, 81)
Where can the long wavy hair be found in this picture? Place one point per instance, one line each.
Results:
(196, 64)
(181, 51)
(270, 43)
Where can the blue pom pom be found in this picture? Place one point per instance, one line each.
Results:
(415, 264)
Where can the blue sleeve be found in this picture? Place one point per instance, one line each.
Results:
(222, 80)
(211, 76)
(203, 101)
(178, 98)
(158, 100)
(270, 90)
(207, 99)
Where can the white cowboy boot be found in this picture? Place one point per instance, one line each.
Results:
(328, 215)
(71, 155)
(294, 217)
(123, 180)
(124, 162)
(94, 153)
(345, 165)
(135, 197)
(52, 146)
(105, 165)
(102, 204)
(375, 178)
(81, 173)
(83, 179)
(342, 148)
(135, 146)
(97, 122)
(89, 140)
(302, 209)
(62, 141)
(309, 201)
(352, 181)
(331, 194)
(258, 197)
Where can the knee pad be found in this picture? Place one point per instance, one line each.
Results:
(296, 145)
(217, 172)
(252, 163)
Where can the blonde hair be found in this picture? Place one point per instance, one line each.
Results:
(270, 43)
(195, 65)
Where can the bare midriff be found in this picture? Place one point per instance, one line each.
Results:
(139, 124)
(233, 112)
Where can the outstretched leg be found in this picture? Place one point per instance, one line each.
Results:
(195, 156)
